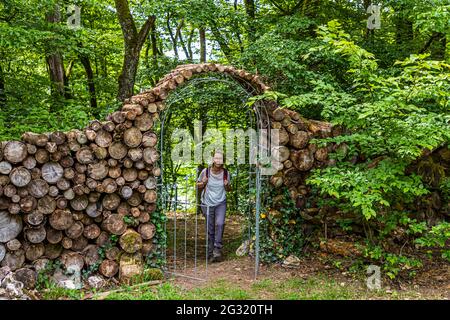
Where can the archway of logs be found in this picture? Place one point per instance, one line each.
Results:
(63, 194)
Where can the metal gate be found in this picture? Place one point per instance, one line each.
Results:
(185, 249)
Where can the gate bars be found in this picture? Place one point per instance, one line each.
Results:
(257, 111)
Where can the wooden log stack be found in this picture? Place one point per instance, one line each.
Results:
(63, 194)
(296, 156)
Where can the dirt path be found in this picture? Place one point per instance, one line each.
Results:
(239, 272)
(432, 282)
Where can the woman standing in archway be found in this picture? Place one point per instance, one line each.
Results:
(214, 182)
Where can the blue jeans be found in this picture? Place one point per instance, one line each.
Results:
(215, 224)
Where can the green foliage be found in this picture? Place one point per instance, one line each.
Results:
(433, 18)
(282, 233)
(149, 274)
(389, 119)
(156, 258)
(58, 293)
(438, 236)
(113, 238)
(66, 118)
(131, 221)
(44, 280)
(393, 264)
(368, 190)
(25, 41)
(314, 287)
(91, 269)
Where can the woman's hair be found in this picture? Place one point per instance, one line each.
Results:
(218, 152)
(214, 154)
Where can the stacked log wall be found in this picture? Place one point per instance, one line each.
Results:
(64, 194)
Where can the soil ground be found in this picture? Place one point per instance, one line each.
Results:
(316, 269)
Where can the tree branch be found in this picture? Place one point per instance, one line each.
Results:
(275, 4)
(299, 3)
(145, 29)
(126, 20)
(433, 37)
(172, 37)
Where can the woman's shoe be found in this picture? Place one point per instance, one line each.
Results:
(217, 255)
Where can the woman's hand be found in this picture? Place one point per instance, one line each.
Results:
(227, 185)
(202, 184)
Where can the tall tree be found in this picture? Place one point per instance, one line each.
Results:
(133, 42)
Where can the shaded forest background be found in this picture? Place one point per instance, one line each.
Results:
(389, 87)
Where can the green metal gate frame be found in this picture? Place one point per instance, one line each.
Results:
(258, 120)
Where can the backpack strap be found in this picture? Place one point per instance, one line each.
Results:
(204, 188)
(225, 174)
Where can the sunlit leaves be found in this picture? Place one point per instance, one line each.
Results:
(368, 190)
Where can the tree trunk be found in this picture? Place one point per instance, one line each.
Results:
(15, 151)
(147, 231)
(13, 245)
(130, 241)
(75, 230)
(109, 268)
(34, 251)
(14, 260)
(53, 251)
(2, 89)
(223, 44)
(189, 45)
(54, 236)
(437, 45)
(67, 243)
(174, 39)
(180, 37)
(202, 33)
(91, 255)
(52, 172)
(154, 43)
(20, 176)
(72, 261)
(133, 42)
(55, 62)
(404, 31)
(10, 226)
(2, 252)
(250, 11)
(128, 74)
(91, 232)
(79, 243)
(27, 276)
(114, 224)
(86, 62)
(61, 219)
(35, 235)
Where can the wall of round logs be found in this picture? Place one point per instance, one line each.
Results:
(63, 194)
